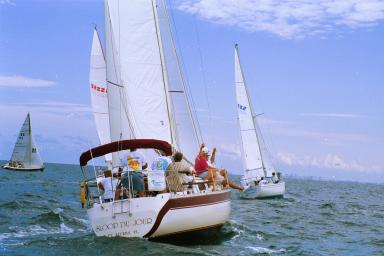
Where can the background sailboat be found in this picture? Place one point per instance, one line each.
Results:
(99, 91)
(254, 155)
(25, 156)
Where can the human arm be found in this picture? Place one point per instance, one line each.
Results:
(213, 156)
(101, 187)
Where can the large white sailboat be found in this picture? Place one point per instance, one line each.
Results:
(25, 156)
(149, 108)
(260, 178)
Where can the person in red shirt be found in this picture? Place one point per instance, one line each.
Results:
(208, 172)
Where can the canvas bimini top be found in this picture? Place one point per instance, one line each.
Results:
(124, 145)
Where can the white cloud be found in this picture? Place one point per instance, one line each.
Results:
(22, 81)
(67, 109)
(331, 161)
(336, 115)
(288, 18)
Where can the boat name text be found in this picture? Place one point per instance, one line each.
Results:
(123, 224)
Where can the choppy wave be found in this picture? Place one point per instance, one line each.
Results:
(33, 230)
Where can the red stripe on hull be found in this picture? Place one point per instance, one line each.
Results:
(188, 202)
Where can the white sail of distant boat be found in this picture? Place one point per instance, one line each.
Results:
(146, 91)
(149, 108)
(98, 88)
(25, 154)
(254, 155)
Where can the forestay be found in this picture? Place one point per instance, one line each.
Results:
(251, 153)
(98, 87)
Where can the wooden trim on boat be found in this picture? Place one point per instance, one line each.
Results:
(188, 202)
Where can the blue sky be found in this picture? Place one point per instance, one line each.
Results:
(314, 68)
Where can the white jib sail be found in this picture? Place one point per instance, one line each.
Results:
(138, 102)
(35, 156)
(251, 154)
(186, 127)
(25, 151)
(98, 87)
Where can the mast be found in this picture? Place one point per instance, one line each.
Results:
(120, 123)
(251, 111)
(30, 140)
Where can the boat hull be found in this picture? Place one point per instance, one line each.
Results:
(160, 216)
(264, 191)
(8, 167)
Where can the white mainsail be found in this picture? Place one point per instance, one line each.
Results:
(251, 151)
(144, 101)
(98, 87)
(25, 152)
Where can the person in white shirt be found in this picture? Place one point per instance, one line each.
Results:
(135, 160)
(108, 185)
(274, 178)
(263, 181)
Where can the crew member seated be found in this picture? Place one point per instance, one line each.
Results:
(206, 171)
(263, 181)
(108, 185)
(178, 173)
(135, 163)
(274, 178)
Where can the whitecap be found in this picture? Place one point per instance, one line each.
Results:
(259, 236)
(58, 210)
(30, 231)
(85, 222)
(265, 250)
(35, 230)
(64, 229)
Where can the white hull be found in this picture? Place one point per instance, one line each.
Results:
(264, 191)
(31, 168)
(160, 216)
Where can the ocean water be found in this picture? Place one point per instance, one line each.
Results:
(40, 214)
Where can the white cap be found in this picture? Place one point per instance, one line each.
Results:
(115, 170)
(205, 150)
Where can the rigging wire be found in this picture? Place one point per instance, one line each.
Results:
(204, 78)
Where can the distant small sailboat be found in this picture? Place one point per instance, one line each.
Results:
(258, 171)
(25, 156)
